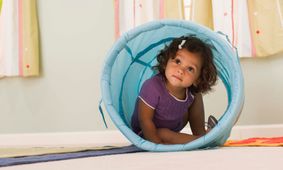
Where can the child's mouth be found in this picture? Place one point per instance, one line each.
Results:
(176, 77)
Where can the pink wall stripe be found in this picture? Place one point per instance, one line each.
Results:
(20, 36)
(161, 9)
(117, 18)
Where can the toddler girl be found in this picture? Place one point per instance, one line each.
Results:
(173, 97)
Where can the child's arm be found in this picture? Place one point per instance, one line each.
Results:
(196, 116)
(145, 119)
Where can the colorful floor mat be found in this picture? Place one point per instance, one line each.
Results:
(18, 156)
(18, 160)
(274, 141)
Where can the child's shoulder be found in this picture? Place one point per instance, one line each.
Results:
(156, 80)
(154, 83)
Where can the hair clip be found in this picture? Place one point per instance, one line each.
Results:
(180, 46)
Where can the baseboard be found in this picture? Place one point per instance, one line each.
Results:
(249, 131)
(115, 137)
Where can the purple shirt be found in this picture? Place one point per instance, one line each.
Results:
(169, 111)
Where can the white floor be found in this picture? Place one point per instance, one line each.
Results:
(224, 158)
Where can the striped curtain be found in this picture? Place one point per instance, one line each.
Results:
(19, 46)
(0, 5)
(131, 13)
(255, 27)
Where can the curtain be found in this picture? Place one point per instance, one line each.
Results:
(254, 27)
(0, 5)
(198, 15)
(131, 13)
(266, 25)
(19, 46)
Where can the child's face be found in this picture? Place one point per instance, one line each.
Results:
(183, 70)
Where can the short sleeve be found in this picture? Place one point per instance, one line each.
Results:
(150, 93)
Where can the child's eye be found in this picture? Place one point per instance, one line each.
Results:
(191, 69)
(177, 61)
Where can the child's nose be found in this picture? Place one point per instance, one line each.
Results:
(181, 71)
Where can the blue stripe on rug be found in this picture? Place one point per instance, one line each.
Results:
(65, 156)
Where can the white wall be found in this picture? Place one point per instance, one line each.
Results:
(75, 37)
(263, 92)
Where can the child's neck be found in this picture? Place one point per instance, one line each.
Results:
(179, 93)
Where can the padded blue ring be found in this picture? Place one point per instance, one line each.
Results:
(129, 62)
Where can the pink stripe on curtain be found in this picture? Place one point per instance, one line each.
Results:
(117, 18)
(20, 35)
(161, 9)
(134, 12)
(233, 24)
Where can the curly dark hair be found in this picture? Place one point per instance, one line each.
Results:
(208, 75)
